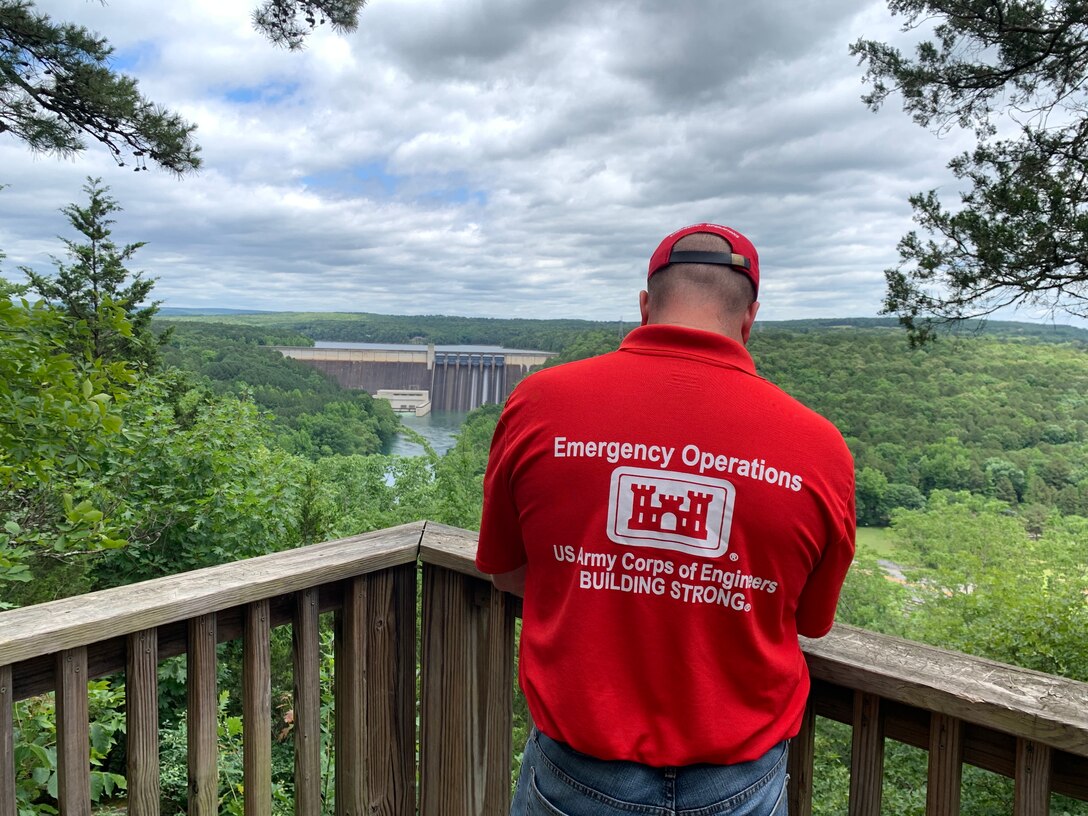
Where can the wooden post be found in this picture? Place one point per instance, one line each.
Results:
(945, 765)
(73, 733)
(305, 640)
(468, 658)
(375, 695)
(802, 755)
(202, 717)
(7, 744)
(391, 691)
(350, 693)
(257, 710)
(866, 756)
(1032, 780)
(142, 722)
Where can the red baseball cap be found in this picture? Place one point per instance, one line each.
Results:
(742, 256)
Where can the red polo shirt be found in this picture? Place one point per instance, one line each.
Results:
(683, 520)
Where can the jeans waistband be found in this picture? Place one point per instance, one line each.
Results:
(693, 787)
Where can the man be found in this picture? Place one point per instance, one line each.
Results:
(674, 522)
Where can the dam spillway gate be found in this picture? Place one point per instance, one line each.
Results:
(457, 380)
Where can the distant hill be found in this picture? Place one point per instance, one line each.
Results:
(552, 335)
(1052, 332)
(182, 311)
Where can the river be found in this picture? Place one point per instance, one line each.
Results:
(438, 427)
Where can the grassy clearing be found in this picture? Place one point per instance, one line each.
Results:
(878, 539)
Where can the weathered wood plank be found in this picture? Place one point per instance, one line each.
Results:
(985, 748)
(306, 655)
(73, 734)
(257, 711)
(7, 744)
(468, 642)
(1032, 780)
(202, 713)
(85, 619)
(802, 758)
(350, 684)
(390, 691)
(945, 766)
(866, 756)
(142, 722)
(1041, 707)
(35, 676)
(450, 547)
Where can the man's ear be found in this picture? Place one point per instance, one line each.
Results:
(749, 319)
(644, 306)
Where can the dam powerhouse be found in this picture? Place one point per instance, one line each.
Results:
(421, 378)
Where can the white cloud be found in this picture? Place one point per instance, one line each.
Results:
(497, 157)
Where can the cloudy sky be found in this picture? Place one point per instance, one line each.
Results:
(497, 157)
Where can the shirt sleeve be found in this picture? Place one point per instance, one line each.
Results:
(501, 548)
(820, 597)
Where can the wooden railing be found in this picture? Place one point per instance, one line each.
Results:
(1021, 724)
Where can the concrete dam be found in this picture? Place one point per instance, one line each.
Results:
(457, 378)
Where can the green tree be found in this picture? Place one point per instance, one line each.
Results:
(1013, 71)
(991, 589)
(59, 414)
(871, 486)
(57, 89)
(288, 22)
(96, 281)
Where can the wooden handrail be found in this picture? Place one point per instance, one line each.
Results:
(1025, 725)
(46, 628)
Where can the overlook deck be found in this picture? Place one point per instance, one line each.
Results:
(1021, 724)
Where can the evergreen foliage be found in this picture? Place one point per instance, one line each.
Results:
(289, 22)
(57, 89)
(1014, 72)
(97, 282)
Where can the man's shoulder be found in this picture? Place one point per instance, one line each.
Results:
(797, 419)
(574, 372)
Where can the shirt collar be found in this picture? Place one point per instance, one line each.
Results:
(664, 338)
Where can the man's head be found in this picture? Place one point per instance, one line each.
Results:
(704, 276)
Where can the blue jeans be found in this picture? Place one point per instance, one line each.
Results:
(556, 780)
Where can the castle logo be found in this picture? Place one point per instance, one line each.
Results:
(669, 510)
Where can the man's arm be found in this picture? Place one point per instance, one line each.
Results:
(820, 597)
(512, 582)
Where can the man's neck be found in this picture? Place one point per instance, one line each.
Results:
(702, 323)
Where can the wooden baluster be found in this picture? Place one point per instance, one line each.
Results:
(305, 637)
(802, 756)
(73, 733)
(350, 682)
(142, 722)
(257, 710)
(7, 744)
(945, 765)
(1032, 781)
(391, 691)
(866, 756)
(468, 657)
(202, 717)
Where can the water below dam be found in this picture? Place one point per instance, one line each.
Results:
(439, 428)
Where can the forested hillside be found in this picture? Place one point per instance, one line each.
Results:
(972, 454)
(310, 414)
